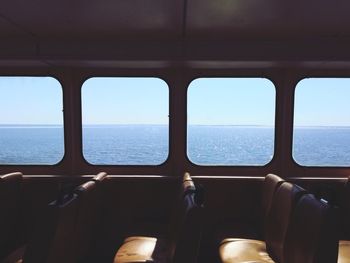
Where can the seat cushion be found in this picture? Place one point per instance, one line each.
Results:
(136, 249)
(344, 251)
(236, 250)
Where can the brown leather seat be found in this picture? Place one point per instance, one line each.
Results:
(10, 192)
(270, 186)
(232, 251)
(312, 236)
(66, 228)
(52, 240)
(87, 216)
(271, 183)
(344, 245)
(247, 229)
(236, 250)
(181, 244)
(344, 251)
(243, 251)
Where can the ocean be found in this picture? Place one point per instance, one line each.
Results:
(148, 145)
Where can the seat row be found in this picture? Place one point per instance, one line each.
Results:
(181, 241)
(66, 229)
(298, 228)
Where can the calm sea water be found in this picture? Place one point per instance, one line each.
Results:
(148, 144)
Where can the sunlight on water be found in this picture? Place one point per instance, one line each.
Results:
(31, 144)
(148, 145)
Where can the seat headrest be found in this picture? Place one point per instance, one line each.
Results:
(17, 176)
(273, 177)
(99, 177)
(190, 187)
(186, 177)
(270, 185)
(278, 220)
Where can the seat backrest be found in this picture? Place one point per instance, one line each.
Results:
(52, 241)
(10, 192)
(347, 208)
(270, 185)
(312, 236)
(283, 204)
(87, 218)
(186, 234)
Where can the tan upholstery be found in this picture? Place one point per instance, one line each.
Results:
(136, 249)
(344, 251)
(182, 241)
(10, 192)
(244, 251)
(186, 177)
(282, 206)
(312, 235)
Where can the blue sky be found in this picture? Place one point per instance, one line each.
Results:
(30, 100)
(211, 101)
(125, 101)
(322, 102)
(231, 101)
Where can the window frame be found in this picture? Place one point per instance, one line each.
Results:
(62, 160)
(301, 77)
(228, 76)
(154, 76)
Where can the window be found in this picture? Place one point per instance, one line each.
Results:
(125, 121)
(231, 121)
(31, 121)
(321, 134)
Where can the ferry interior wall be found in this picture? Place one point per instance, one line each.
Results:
(174, 131)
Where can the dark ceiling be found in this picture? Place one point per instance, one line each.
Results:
(171, 29)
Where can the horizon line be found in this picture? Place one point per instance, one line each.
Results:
(166, 124)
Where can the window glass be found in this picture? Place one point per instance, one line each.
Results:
(31, 121)
(322, 122)
(125, 121)
(231, 121)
